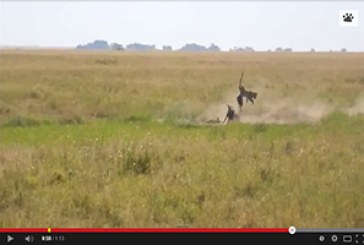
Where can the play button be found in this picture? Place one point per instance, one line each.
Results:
(9, 238)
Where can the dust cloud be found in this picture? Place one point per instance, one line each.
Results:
(358, 106)
(277, 111)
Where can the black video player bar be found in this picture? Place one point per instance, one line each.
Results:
(174, 236)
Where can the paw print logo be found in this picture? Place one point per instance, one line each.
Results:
(348, 17)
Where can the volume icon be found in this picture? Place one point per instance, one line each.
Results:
(29, 238)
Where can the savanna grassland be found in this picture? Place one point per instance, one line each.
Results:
(119, 139)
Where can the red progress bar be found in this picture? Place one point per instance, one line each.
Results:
(23, 230)
(144, 230)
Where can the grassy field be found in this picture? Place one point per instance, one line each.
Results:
(119, 139)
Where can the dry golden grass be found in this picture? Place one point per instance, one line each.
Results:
(111, 139)
(69, 86)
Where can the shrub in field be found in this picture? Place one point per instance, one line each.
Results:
(136, 161)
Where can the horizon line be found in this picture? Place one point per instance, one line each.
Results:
(273, 50)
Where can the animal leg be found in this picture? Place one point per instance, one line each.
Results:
(240, 101)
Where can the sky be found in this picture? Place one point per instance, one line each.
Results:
(263, 25)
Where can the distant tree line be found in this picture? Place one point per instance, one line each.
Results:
(97, 45)
(103, 45)
(189, 47)
(239, 49)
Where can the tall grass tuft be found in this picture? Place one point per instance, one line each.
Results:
(136, 160)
